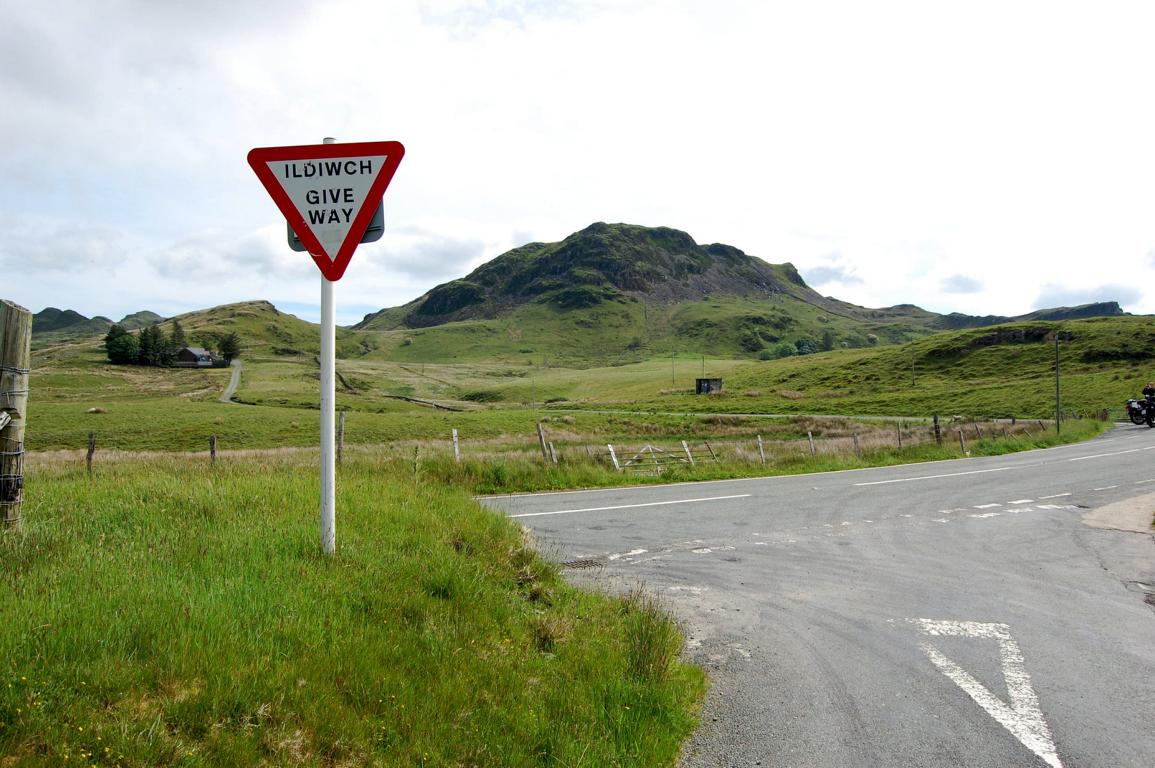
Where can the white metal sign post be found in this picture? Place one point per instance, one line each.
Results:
(328, 193)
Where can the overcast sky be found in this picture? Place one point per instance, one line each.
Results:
(980, 157)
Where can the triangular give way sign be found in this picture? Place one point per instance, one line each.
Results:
(328, 193)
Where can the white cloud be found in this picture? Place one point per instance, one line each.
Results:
(790, 130)
(960, 284)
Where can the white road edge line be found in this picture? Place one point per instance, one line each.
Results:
(1116, 453)
(935, 477)
(1023, 717)
(632, 506)
(1055, 496)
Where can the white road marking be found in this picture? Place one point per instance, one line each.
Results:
(986, 506)
(1105, 488)
(987, 514)
(1116, 453)
(1055, 496)
(702, 551)
(631, 553)
(1022, 501)
(1022, 717)
(935, 477)
(632, 506)
(1143, 482)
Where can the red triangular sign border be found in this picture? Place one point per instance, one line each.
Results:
(332, 268)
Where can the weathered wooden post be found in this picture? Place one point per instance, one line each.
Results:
(810, 437)
(614, 458)
(689, 456)
(898, 428)
(962, 441)
(15, 356)
(213, 450)
(91, 451)
(552, 452)
(761, 450)
(340, 436)
(456, 448)
(937, 431)
(857, 448)
(541, 441)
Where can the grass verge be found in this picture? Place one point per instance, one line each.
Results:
(165, 614)
(575, 470)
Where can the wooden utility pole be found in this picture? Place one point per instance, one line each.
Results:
(1057, 406)
(15, 356)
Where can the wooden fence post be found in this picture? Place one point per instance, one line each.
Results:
(213, 450)
(456, 448)
(810, 437)
(857, 449)
(91, 451)
(898, 428)
(937, 431)
(15, 356)
(761, 451)
(979, 431)
(541, 441)
(614, 458)
(1042, 426)
(340, 436)
(713, 455)
(962, 441)
(552, 453)
(689, 455)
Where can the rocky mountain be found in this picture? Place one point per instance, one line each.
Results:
(618, 288)
(616, 263)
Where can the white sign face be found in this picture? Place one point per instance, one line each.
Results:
(328, 193)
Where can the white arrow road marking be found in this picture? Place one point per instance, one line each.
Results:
(1022, 717)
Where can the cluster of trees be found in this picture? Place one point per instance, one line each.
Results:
(805, 346)
(152, 346)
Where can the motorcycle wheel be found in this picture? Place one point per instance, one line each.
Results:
(1137, 418)
(1151, 418)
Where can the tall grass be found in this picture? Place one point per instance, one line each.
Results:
(164, 613)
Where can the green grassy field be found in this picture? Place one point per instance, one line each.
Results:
(165, 612)
(161, 614)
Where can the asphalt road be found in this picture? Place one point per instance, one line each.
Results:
(947, 614)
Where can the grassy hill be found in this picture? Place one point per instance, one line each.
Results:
(615, 293)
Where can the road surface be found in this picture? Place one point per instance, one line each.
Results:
(956, 613)
(234, 381)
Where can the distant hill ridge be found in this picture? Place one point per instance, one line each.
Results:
(628, 263)
(71, 323)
